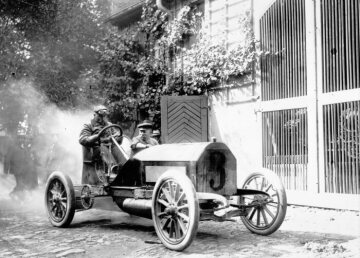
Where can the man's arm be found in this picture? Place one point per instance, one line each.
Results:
(87, 138)
(137, 144)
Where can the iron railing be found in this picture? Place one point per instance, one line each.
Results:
(283, 62)
(285, 147)
(340, 39)
(342, 147)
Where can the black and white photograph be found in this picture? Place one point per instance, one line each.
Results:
(180, 128)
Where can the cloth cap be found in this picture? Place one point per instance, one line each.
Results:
(156, 133)
(145, 124)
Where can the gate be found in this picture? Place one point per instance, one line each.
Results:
(284, 92)
(339, 96)
(184, 119)
(310, 88)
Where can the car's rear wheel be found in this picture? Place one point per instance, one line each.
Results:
(269, 212)
(60, 199)
(175, 210)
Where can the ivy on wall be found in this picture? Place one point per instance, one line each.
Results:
(137, 64)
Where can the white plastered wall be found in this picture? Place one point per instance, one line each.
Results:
(234, 116)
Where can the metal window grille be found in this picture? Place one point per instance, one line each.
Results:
(342, 147)
(282, 38)
(340, 44)
(285, 146)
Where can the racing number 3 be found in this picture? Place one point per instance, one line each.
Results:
(217, 164)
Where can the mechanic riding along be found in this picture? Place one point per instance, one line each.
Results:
(175, 185)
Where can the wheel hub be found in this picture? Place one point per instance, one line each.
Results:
(262, 200)
(56, 197)
(171, 210)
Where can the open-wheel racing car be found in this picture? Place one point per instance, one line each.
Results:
(175, 185)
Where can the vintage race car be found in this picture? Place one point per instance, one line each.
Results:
(175, 185)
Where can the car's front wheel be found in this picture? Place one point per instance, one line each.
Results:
(175, 210)
(60, 199)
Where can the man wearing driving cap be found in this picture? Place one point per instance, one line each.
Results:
(89, 135)
(89, 138)
(143, 140)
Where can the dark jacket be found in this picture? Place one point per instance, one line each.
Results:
(88, 130)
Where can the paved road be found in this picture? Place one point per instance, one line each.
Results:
(306, 232)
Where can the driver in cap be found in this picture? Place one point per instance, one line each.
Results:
(89, 135)
(90, 139)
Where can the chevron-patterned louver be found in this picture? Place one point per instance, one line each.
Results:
(184, 119)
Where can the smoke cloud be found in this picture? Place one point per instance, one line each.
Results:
(53, 136)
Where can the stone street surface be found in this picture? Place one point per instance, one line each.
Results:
(306, 232)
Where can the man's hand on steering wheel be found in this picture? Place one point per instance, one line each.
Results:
(117, 135)
(117, 138)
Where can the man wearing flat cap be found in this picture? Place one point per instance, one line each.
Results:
(143, 140)
(89, 135)
(93, 150)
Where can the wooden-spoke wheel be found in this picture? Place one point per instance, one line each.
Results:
(175, 210)
(60, 199)
(266, 214)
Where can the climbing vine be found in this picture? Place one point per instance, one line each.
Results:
(137, 66)
(211, 62)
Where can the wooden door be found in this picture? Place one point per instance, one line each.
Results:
(184, 119)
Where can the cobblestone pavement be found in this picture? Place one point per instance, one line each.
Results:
(306, 232)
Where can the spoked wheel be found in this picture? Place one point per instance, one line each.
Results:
(175, 210)
(267, 213)
(60, 199)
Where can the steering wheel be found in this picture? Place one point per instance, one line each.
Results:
(111, 131)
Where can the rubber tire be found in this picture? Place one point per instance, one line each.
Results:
(70, 194)
(194, 211)
(275, 181)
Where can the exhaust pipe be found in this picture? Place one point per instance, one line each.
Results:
(138, 207)
(142, 207)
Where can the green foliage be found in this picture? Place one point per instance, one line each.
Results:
(52, 44)
(153, 21)
(119, 76)
(35, 18)
(210, 62)
(187, 23)
(207, 64)
(72, 49)
(137, 66)
(130, 77)
(133, 70)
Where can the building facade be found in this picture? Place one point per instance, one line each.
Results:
(299, 114)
